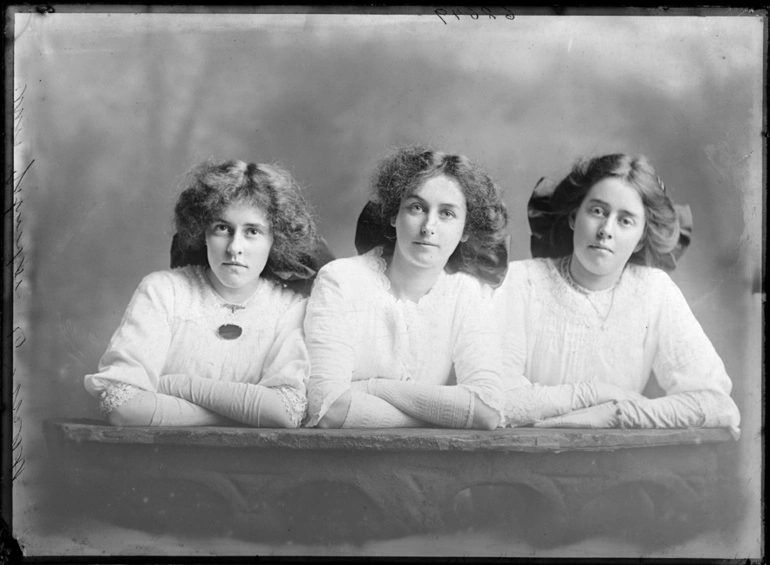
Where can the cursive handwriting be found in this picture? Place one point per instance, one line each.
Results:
(16, 447)
(474, 14)
(16, 263)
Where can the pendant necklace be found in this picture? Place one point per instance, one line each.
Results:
(564, 269)
(229, 331)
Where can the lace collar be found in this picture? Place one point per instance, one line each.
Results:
(561, 267)
(378, 265)
(203, 280)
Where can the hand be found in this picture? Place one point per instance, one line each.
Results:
(599, 416)
(369, 386)
(360, 386)
(606, 392)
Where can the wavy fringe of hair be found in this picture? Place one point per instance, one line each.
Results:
(211, 186)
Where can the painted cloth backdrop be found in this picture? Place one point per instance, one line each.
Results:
(116, 107)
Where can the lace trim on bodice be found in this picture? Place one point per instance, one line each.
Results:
(210, 308)
(595, 308)
(378, 265)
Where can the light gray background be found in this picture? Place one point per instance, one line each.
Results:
(117, 106)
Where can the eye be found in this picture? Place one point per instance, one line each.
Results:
(220, 228)
(448, 214)
(415, 207)
(253, 232)
(626, 221)
(596, 210)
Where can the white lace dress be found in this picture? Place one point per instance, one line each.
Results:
(356, 330)
(555, 333)
(170, 327)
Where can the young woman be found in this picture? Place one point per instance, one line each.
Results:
(588, 323)
(399, 335)
(219, 342)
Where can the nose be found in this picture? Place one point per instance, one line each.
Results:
(606, 229)
(235, 246)
(429, 225)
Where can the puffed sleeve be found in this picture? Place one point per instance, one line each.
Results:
(288, 363)
(137, 351)
(685, 359)
(477, 357)
(328, 333)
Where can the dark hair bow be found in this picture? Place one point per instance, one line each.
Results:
(552, 237)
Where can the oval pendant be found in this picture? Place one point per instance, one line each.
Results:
(229, 331)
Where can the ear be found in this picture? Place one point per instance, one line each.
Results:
(393, 221)
(464, 238)
(571, 221)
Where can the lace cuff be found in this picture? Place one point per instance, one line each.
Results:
(294, 403)
(115, 395)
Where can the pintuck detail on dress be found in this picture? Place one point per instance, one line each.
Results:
(356, 329)
(553, 333)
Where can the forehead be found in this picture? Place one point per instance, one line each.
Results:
(241, 212)
(441, 190)
(618, 194)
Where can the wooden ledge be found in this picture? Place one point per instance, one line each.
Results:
(532, 440)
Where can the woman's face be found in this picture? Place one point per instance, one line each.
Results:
(608, 228)
(238, 243)
(430, 223)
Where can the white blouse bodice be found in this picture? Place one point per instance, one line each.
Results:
(554, 333)
(357, 329)
(171, 327)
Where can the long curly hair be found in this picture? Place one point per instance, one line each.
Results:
(212, 186)
(403, 172)
(661, 232)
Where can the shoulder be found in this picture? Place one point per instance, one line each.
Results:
(528, 273)
(649, 280)
(530, 269)
(279, 296)
(467, 286)
(361, 269)
(172, 280)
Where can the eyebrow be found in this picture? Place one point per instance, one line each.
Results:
(600, 201)
(441, 204)
(220, 220)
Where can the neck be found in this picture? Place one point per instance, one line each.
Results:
(231, 295)
(408, 281)
(591, 281)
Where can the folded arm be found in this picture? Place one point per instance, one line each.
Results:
(127, 405)
(445, 406)
(248, 403)
(356, 409)
(528, 404)
(700, 409)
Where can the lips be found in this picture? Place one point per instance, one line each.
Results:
(600, 248)
(234, 264)
(425, 243)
